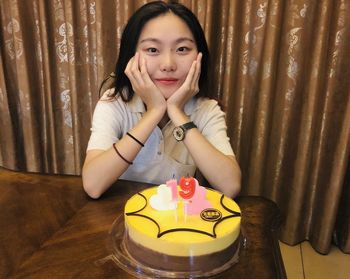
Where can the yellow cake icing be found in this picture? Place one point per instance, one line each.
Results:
(175, 233)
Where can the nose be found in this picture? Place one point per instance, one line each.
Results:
(168, 63)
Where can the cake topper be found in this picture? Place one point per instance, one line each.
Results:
(172, 184)
(194, 196)
(163, 199)
(188, 187)
(188, 192)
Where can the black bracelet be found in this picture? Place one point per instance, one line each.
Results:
(135, 139)
(120, 155)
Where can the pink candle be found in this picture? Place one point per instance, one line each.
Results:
(194, 196)
(199, 202)
(172, 184)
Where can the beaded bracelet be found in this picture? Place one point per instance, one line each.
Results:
(120, 155)
(135, 139)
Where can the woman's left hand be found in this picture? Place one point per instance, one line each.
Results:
(188, 89)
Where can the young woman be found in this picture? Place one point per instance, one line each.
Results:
(156, 123)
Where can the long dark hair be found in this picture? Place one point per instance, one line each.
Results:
(131, 36)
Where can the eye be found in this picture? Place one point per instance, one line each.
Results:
(152, 50)
(183, 49)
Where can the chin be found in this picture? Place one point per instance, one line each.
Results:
(168, 93)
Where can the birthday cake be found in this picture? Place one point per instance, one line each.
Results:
(182, 227)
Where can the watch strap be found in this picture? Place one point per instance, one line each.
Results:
(188, 125)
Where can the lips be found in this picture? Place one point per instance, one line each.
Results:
(167, 81)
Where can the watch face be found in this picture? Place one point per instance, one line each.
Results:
(179, 133)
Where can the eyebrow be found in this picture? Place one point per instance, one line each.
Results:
(179, 40)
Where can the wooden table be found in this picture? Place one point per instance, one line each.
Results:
(49, 228)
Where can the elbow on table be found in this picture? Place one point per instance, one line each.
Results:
(232, 192)
(91, 192)
(230, 188)
(234, 188)
(238, 183)
(236, 191)
(231, 179)
(90, 188)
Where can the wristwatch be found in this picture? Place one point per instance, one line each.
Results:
(180, 131)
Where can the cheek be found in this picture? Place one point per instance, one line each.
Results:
(150, 64)
(185, 66)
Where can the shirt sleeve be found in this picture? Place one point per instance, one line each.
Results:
(212, 124)
(106, 126)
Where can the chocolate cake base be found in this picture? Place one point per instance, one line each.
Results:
(161, 261)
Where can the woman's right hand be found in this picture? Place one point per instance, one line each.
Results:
(143, 86)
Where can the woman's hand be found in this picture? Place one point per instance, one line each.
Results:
(190, 87)
(143, 86)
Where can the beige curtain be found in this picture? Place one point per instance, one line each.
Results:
(280, 68)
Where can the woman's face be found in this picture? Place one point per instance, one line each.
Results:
(168, 46)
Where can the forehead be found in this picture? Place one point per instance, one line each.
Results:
(166, 27)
